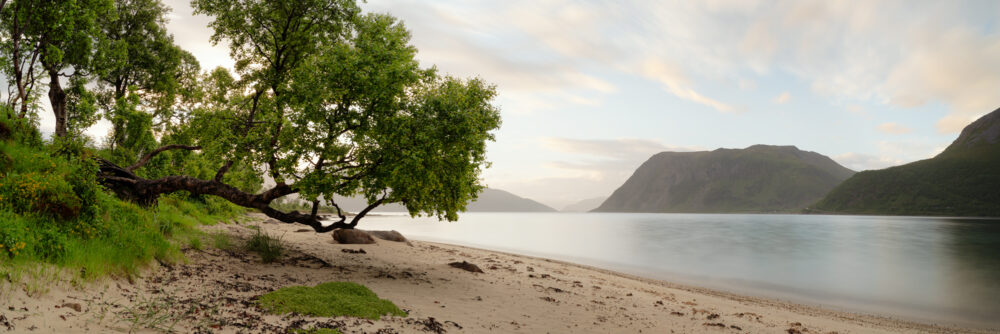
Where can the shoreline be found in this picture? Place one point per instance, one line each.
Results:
(759, 295)
(214, 291)
(764, 301)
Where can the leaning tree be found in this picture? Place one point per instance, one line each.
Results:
(328, 101)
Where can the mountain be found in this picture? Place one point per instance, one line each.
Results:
(490, 200)
(496, 200)
(964, 180)
(585, 205)
(759, 178)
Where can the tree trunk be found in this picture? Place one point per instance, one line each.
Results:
(58, 99)
(131, 187)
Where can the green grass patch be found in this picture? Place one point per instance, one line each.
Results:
(223, 241)
(329, 299)
(267, 246)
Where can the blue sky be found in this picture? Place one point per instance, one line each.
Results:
(590, 89)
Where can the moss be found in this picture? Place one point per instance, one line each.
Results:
(328, 300)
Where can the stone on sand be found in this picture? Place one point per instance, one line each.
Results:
(352, 236)
(389, 235)
(466, 266)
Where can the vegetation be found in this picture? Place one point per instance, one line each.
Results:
(328, 102)
(268, 247)
(324, 100)
(329, 299)
(961, 183)
(53, 211)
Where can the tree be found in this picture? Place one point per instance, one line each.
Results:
(60, 36)
(138, 56)
(329, 101)
(20, 55)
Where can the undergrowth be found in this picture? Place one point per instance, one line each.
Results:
(54, 214)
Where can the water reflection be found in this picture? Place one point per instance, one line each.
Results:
(928, 269)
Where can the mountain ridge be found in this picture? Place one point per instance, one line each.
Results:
(963, 180)
(759, 178)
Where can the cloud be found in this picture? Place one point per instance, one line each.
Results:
(958, 67)
(593, 167)
(860, 161)
(782, 98)
(676, 83)
(889, 154)
(893, 128)
(618, 149)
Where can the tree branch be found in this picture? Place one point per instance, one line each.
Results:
(357, 218)
(145, 159)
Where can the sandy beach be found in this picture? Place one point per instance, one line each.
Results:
(214, 291)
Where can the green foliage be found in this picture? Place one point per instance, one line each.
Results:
(956, 183)
(329, 299)
(52, 210)
(342, 107)
(17, 130)
(268, 247)
(195, 243)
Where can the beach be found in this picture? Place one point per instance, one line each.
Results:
(214, 291)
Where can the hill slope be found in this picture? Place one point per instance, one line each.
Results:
(496, 200)
(759, 178)
(585, 205)
(490, 200)
(964, 180)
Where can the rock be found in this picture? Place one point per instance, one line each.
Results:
(272, 221)
(304, 230)
(74, 306)
(352, 236)
(389, 235)
(351, 251)
(466, 266)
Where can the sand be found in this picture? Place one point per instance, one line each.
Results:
(214, 293)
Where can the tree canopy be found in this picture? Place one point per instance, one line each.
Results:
(323, 100)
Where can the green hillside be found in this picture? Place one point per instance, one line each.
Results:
(964, 180)
(759, 178)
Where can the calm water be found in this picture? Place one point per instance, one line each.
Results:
(928, 269)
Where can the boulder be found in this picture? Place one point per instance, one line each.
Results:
(466, 266)
(352, 236)
(389, 235)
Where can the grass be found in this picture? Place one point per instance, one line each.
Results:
(329, 299)
(151, 313)
(57, 223)
(268, 247)
(223, 241)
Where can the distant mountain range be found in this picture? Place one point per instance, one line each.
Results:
(585, 205)
(759, 178)
(490, 200)
(964, 180)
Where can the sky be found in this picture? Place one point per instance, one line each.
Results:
(590, 89)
